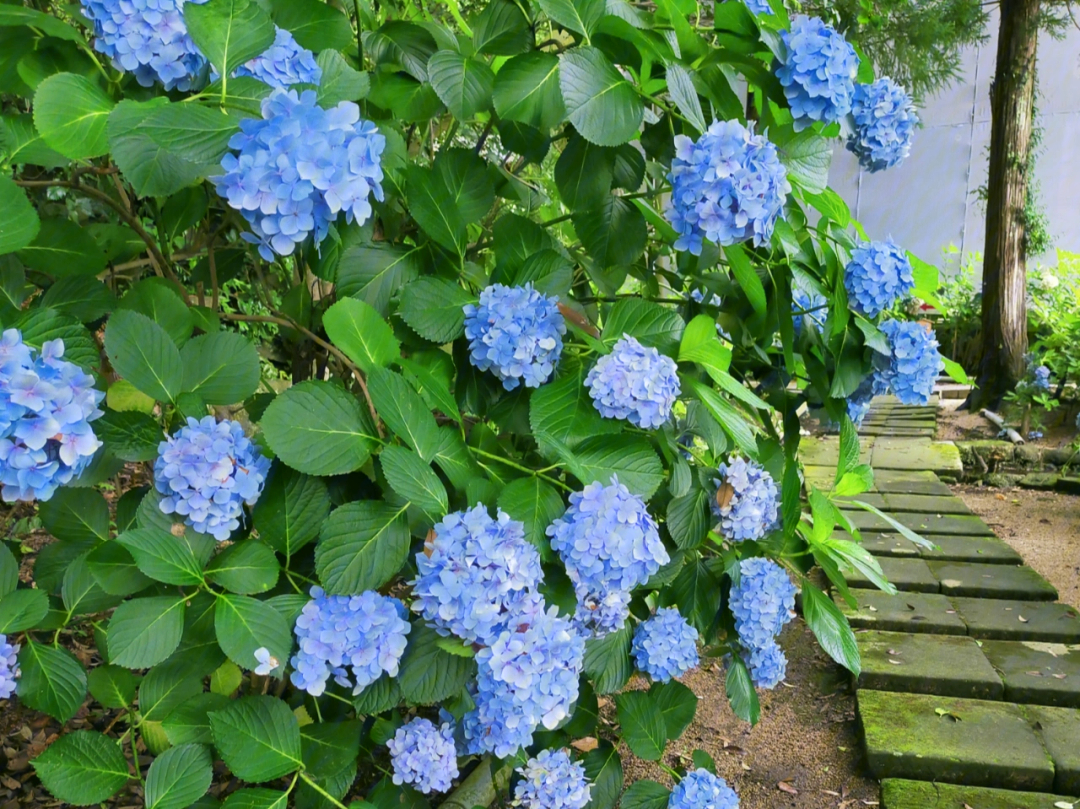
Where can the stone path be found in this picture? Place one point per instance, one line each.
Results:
(970, 688)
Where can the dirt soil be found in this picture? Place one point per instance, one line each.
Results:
(1059, 427)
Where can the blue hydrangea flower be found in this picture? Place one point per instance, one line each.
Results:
(762, 602)
(752, 508)
(1034, 435)
(267, 662)
(635, 383)
(858, 403)
(516, 333)
(665, 646)
(1041, 378)
(808, 306)
(365, 632)
(727, 187)
(526, 678)
(818, 72)
(46, 406)
(758, 6)
(698, 296)
(477, 575)
(700, 789)
(423, 756)
(207, 471)
(885, 122)
(552, 780)
(9, 667)
(913, 365)
(767, 664)
(878, 275)
(294, 170)
(283, 64)
(599, 614)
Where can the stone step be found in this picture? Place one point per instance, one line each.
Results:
(988, 550)
(955, 740)
(909, 575)
(925, 504)
(1035, 672)
(910, 453)
(998, 619)
(1059, 729)
(903, 612)
(974, 580)
(909, 481)
(954, 524)
(943, 665)
(897, 793)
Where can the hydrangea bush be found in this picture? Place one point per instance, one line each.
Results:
(408, 384)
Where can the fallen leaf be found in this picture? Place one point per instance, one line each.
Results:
(1023, 620)
(585, 745)
(784, 786)
(1059, 676)
(830, 792)
(895, 662)
(872, 609)
(1063, 805)
(1034, 673)
(950, 612)
(894, 652)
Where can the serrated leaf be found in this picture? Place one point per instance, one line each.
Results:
(412, 478)
(162, 557)
(189, 722)
(642, 724)
(688, 519)
(145, 631)
(76, 515)
(831, 628)
(603, 768)
(22, 609)
(536, 504)
(243, 624)
(683, 93)
(112, 686)
(677, 704)
(63, 249)
(429, 674)
(462, 83)
(178, 777)
(52, 681)
(807, 158)
(614, 232)
(607, 661)
(652, 325)
(258, 738)
(564, 410)
(740, 691)
(340, 81)
(246, 567)
(630, 458)
(576, 15)
(130, 435)
(360, 331)
(290, 510)
(404, 412)
(646, 794)
(82, 768)
(527, 91)
(71, 112)
(601, 104)
(144, 354)
(19, 222)
(222, 367)
(362, 545)
(229, 32)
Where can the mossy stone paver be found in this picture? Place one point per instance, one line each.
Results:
(953, 524)
(909, 575)
(1037, 672)
(826, 451)
(896, 793)
(998, 619)
(925, 503)
(1060, 732)
(988, 550)
(912, 453)
(909, 481)
(871, 498)
(961, 741)
(903, 612)
(977, 580)
(944, 665)
(888, 545)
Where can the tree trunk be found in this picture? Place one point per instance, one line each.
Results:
(1004, 298)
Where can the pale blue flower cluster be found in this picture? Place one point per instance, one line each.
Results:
(698, 296)
(1041, 378)
(610, 544)
(46, 406)
(298, 167)
(9, 667)
(700, 789)
(526, 678)
(477, 576)
(365, 632)
(207, 471)
(516, 333)
(423, 756)
(878, 275)
(858, 403)
(914, 363)
(552, 780)
(728, 187)
(817, 72)
(762, 602)
(885, 122)
(665, 646)
(283, 64)
(751, 511)
(635, 383)
(758, 6)
(148, 38)
(810, 306)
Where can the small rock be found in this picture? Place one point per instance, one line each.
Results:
(1039, 480)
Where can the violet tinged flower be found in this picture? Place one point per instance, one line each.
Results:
(283, 64)
(423, 756)
(759, 6)
(698, 296)
(267, 662)
(516, 333)
(635, 383)
(477, 576)
(46, 406)
(1041, 378)
(762, 602)
(767, 664)
(294, 170)
(552, 780)
(665, 646)
(817, 72)
(148, 38)
(207, 472)
(878, 275)
(885, 122)
(808, 307)
(858, 403)
(364, 633)
(751, 505)
(728, 187)
(9, 667)
(914, 363)
(700, 789)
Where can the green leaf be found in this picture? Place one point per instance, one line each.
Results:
(82, 768)
(603, 769)
(380, 696)
(316, 26)
(849, 448)
(956, 372)
(340, 82)
(576, 15)
(696, 593)
(502, 29)
(76, 515)
(178, 777)
(222, 367)
(614, 232)
(162, 557)
(319, 429)
(71, 112)
(226, 678)
(432, 206)
(360, 331)
(19, 222)
(527, 91)
(52, 681)
(329, 747)
(112, 686)
(81, 593)
(167, 686)
(115, 571)
(412, 478)
(152, 169)
(82, 297)
(9, 571)
(584, 173)
(433, 309)
(428, 673)
(607, 661)
(677, 703)
(40, 325)
(290, 510)
(244, 624)
(688, 519)
(198, 135)
(19, 137)
(46, 24)
(433, 388)
(740, 691)
(734, 423)
(258, 738)
(601, 104)
(564, 410)
(145, 631)
(246, 567)
(130, 435)
(642, 724)
(22, 609)
(746, 276)
(189, 722)
(63, 249)
(144, 354)
(467, 177)
(831, 628)
(652, 324)
(256, 798)
(375, 272)
(646, 794)
(631, 458)
(832, 205)
(536, 504)
(807, 158)
(404, 412)
(682, 91)
(229, 32)
(462, 83)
